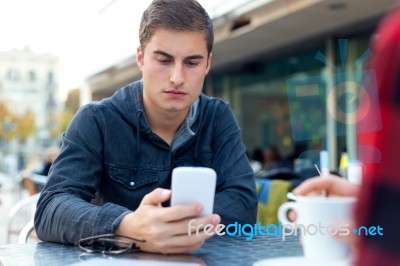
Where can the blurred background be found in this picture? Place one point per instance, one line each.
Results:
(292, 71)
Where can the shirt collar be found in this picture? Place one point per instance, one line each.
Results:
(185, 132)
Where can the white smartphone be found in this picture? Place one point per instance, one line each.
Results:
(194, 185)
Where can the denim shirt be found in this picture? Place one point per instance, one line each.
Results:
(110, 159)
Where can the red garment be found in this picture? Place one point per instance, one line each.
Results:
(379, 199)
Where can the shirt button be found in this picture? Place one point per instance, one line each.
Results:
(132, 184)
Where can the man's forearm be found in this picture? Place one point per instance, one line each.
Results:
(236, 206)
(66, 219)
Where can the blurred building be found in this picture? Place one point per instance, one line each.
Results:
(289, 69)
(29, 81)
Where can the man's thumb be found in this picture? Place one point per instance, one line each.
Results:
(157, 196)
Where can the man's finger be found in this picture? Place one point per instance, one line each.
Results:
(180, 212)
(183, 243)
(156, 197)
(208, 223)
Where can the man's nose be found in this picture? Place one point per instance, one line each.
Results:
(177, 75)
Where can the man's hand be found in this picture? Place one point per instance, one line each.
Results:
(165, 230)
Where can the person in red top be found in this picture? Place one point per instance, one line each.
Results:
(379, 197)
(379, 194)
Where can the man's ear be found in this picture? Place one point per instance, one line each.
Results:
(208, 63)
(139, 57)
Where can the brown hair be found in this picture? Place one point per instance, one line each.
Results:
(178, 15)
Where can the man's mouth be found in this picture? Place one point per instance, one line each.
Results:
(175, 92)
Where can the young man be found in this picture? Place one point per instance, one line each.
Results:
(113, 173)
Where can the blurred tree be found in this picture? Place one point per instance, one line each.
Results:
(72, 102)
(4, 111)
(12, 125)
(25, 125)
(61, 120)
(61, 123)
(7, 122)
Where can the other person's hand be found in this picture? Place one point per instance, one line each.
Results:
(333, 186)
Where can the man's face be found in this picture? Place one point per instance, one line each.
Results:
(174, 65)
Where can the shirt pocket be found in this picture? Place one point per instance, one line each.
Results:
(133, 178)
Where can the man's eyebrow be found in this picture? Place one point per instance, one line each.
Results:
(163, 53)
(160, 52)
(195, 56)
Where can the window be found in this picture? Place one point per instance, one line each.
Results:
(13, 75)
(32, 76)
(50, 77)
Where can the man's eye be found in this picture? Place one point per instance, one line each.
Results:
(164, 61)
(192, 63)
